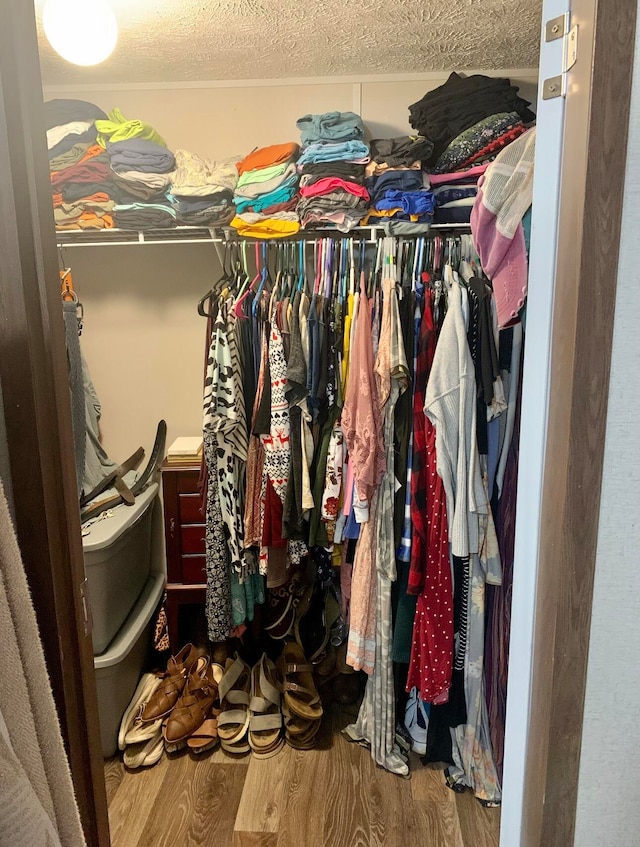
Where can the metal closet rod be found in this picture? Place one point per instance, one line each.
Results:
(204, 235)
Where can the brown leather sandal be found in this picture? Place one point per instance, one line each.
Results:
(194, 707)
(300, 694)
(165, 697)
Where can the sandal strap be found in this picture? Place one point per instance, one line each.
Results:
(260, 704)
(296, 668)
(236, 716)
(231, 677)
(238, 697)
(260, 723)
(269, 691)
(301, 689)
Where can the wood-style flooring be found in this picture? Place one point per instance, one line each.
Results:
(333, 796)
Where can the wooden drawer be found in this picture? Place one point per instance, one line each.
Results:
(193, 539)
(187, 482)
(194, 570)
(189, 507)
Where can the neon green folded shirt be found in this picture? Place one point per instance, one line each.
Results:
(118, 128)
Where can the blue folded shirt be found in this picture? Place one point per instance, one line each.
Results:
(411, 202)
(346, 151)
(282, 194)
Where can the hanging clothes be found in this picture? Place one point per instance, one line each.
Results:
(376, 719)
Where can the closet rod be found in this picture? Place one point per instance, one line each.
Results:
(202, 235)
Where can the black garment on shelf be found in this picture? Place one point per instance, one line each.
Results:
(60, 112)
(73, 191)
(461, 102)
(150, 218)
(401, 151)
(349, 171)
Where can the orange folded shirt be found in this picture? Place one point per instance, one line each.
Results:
(264, 157)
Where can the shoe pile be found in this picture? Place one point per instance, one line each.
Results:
(141, 741)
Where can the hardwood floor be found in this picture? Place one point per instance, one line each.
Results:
(333, 796)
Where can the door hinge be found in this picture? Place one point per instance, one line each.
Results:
(560, 27)
(86, 607)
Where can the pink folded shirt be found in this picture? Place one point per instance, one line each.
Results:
(457, 176)
(334, 183)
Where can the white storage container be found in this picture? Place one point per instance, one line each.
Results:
(117, 557)
(119, 669)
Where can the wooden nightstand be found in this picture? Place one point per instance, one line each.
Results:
(184, 526)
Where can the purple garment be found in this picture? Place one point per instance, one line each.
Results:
(139, 154)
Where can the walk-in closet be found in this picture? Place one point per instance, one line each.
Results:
(306, 284)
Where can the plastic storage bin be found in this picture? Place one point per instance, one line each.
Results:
(119, 669)
(117, 555)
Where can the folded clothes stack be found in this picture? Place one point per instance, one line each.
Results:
(266, 194)
(398, 189)
(141, 169)
(332, 169)
(202, 190)
(139, 165)
(469, 120)
(83, 193)
(455, 193)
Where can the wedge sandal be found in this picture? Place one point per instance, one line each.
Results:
(301, 697)
(265, 724)
(234, 691)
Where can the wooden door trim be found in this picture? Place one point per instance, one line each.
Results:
(33, 373)
(590, 216)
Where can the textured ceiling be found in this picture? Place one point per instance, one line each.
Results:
(181, 40)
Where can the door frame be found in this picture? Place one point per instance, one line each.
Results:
(37, 412)
(38, 418)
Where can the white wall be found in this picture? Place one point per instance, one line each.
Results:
(608, 791)
(143, 339)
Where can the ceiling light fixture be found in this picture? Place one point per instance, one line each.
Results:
(83, 32)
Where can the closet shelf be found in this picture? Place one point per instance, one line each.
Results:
(202, 235)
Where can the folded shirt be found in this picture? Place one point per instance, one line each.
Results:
(345, 170)
(71, 191)
(59, 112)
(280, 225)
(252, 190)
(65, 144)
(212, 216)
(94, 169)
(137, 185)
(410, 202)
(492, 148)
(144, 216)
(330, 126)
(71, 157)
(329, 184)
(57, 133)
(335, 201)
(263, 201)
(221, 199)
(447, 193)
(91, 152)
(138, 154)
(401, 150)
(469, 142)
(266, 156)
(265, 174)
(375, 216)
(118, 128)
(98, 204)
(349, 151)
(472, 173)
(394, 181)
(88, 220)
(197, 176)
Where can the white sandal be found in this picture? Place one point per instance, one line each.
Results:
(131, 729)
